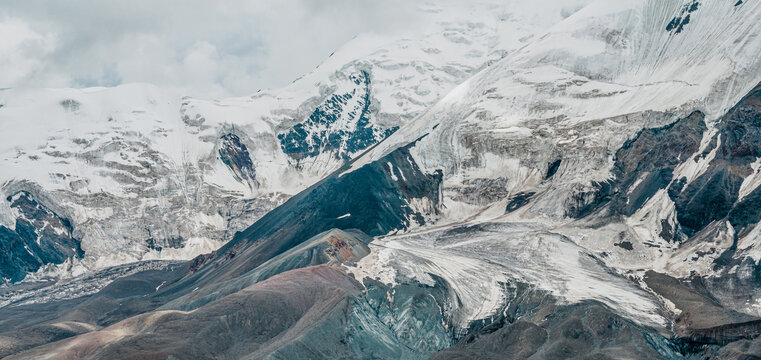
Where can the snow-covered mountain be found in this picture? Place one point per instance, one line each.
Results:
(556, 118)
(587, 192)
(143, 173)
(634, 142)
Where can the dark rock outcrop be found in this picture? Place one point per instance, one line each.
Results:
(235, 155)
(518, 200)
(702, 319)
(678, 22)
(652, 157)
(41, 236)
(714, 195)
(317, 134)
(552, 168)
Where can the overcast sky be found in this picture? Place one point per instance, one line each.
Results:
(205, 48)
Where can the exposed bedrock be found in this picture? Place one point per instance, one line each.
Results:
(651, 158)
(721, 190)
(715, 194)
(15, 342)
(642, 166)
(40, 237)
(316, 310)
(699, 310)
(341, 125)
(519, 200)
(234, 154)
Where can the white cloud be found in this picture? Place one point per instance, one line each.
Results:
(21, 51)
(205, 48)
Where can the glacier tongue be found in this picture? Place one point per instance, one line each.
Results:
(478, 260)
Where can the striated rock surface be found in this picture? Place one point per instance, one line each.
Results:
(40, 237)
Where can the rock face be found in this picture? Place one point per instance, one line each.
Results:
(40, 237)
(235, 155)
(714, 195)
(650, 159)
(339, 126)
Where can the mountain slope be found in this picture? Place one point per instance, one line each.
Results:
(566, 134)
